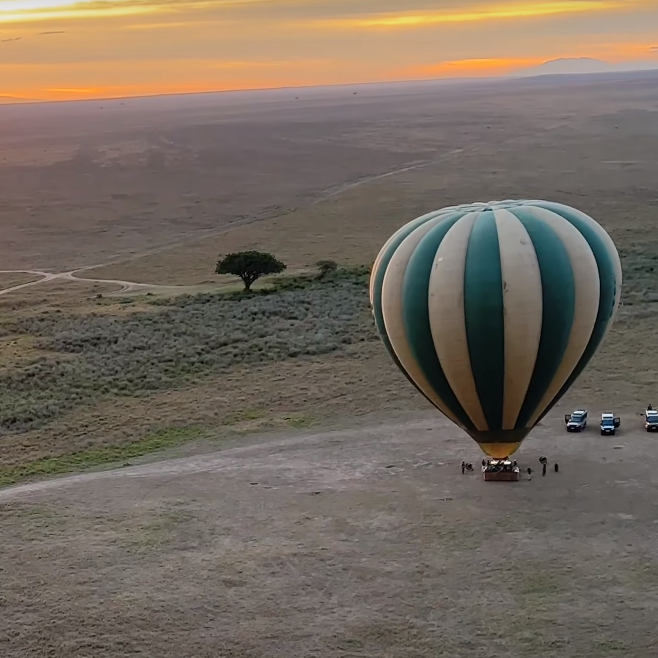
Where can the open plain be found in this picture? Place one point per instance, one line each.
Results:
(261, 480)
(345, 544)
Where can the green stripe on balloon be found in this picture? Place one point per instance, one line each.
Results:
(559, 303)
(415, 314)
(484, 317)
(609, 283)
(379, 282)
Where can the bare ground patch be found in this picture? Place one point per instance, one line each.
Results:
(353, 543)
(352, 226)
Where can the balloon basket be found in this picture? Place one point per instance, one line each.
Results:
(500, 470)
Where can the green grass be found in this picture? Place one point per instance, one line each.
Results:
(86, 357)
(153, 442)
(94, 457)
(251, 420)
(640, 266)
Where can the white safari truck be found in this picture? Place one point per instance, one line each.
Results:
(651, 420)
(577, 421)
(609, 424)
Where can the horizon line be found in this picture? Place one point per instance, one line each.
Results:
(464, 80)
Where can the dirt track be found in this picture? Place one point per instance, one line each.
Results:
(125, 286)
(351, 543)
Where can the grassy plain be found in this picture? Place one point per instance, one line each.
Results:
(12, 279)
(93, 377)
(75, 352)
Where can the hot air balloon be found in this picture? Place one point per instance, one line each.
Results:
(492, 310)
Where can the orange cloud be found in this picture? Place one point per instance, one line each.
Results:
(466, 68)
(75, 91)
(511, 11)
(174, 25)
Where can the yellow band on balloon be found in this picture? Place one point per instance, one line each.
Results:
(499, 450)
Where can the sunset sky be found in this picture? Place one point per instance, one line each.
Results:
(59, 49)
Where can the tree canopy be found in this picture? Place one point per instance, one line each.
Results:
(249, 266)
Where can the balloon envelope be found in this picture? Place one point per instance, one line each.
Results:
(492, 310)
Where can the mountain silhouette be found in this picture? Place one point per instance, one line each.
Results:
(580, 65)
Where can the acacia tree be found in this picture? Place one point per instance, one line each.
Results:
(249, 266)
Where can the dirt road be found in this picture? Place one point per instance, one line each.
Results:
(74, 275)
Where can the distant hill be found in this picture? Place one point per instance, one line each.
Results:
(581, 65)
(566, 65)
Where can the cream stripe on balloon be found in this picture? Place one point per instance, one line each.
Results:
(420, 220)
(612, 250)
(447, 318)
(392, 310)
(588, 290)
(522, 299)
(609, 244)
(377, 263)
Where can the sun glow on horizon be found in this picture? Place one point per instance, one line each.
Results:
(475, 67)
(119, 48)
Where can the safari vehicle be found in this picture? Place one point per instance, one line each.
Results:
(577, 421)
(651, 420)
(500, 470)
(609, 424)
